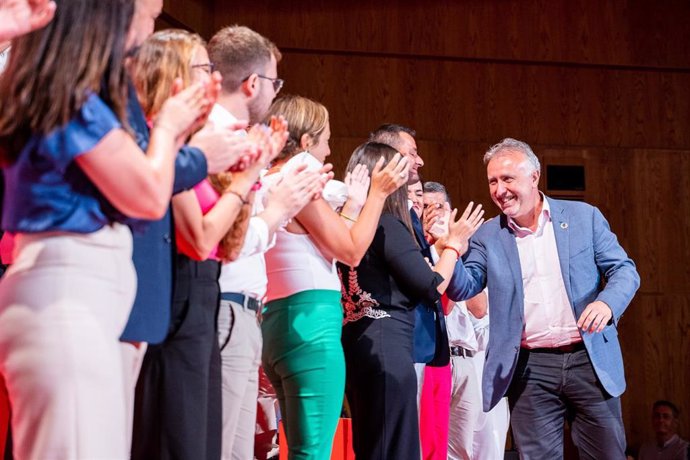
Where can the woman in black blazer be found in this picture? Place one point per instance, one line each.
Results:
(379, 296)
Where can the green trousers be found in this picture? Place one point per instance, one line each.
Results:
(303, 358)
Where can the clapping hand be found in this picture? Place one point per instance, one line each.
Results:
(386, 180)
(357, 182)
(460, 231)
(19, 17)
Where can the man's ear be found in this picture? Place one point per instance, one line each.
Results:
(305, 141)
(535, 177)
(250, 86)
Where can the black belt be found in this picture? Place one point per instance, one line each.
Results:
(459, 351)
(570, 348)
(248, 302)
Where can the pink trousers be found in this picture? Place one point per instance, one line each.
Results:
(434, 412)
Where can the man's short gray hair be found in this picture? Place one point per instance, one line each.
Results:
(513, 145)
(436, 187)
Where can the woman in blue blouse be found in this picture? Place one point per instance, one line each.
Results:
(72, 172)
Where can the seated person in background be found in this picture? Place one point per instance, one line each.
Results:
(668, 445)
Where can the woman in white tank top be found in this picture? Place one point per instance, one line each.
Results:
(302, 319)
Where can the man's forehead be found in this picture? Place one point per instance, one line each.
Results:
(407, 141)
(434, 197)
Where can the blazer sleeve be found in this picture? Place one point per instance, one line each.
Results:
(469, 276)
(405, 261)
(190, 168)
(618, 270)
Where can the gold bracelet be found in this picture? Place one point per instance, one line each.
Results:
(238, 195)
(347, 217)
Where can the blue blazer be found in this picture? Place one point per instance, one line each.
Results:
(154, 244)
(430, 338)
(588, 251)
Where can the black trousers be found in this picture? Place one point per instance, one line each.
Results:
(550, 387)
(177, 409)
(381, 387)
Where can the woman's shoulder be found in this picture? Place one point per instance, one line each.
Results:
(92, 122)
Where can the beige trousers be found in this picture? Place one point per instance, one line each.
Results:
(63, 305)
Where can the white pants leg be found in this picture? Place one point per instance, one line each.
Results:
(240, 360)
(465, 408)
(132, 359)
(492, 429)
(490, 438)
(419, 370)
(63, 306)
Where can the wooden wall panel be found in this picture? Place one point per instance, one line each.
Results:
(619, 32)
(484, 102)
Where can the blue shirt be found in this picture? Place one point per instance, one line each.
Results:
(45, 190)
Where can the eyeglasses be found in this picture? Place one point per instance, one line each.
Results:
(209, 67)
(277, 82)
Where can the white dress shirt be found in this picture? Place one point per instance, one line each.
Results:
(549, 318)
(247, 274)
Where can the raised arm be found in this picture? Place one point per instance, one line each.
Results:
(330, 233)
(140, 185)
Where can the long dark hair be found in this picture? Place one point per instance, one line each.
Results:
(52, 71)
(368, 154)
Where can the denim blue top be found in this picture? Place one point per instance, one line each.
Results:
(45, 190)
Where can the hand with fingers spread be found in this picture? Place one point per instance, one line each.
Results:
(595, 317)
(19, 17)
(460, 231)
(386, 180)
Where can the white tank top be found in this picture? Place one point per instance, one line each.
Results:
(295, 263)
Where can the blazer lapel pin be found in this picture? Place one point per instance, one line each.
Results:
(564, 225)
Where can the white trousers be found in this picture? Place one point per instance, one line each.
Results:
(239, 335)
(63, 305)
(472, 433)
(132, 359)
(465, 408)
(492, 428)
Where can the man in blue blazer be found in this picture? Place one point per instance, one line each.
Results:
(558, 283)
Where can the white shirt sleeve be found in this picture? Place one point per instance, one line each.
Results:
(256, 240)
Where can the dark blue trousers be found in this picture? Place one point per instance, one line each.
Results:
(550, 387)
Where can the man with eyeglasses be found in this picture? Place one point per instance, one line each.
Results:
(248, 63)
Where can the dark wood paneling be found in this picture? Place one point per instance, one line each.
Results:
(619, 32)
(484, 102)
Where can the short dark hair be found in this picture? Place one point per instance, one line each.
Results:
(669, 404)
(388, 134)
(436, 187)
